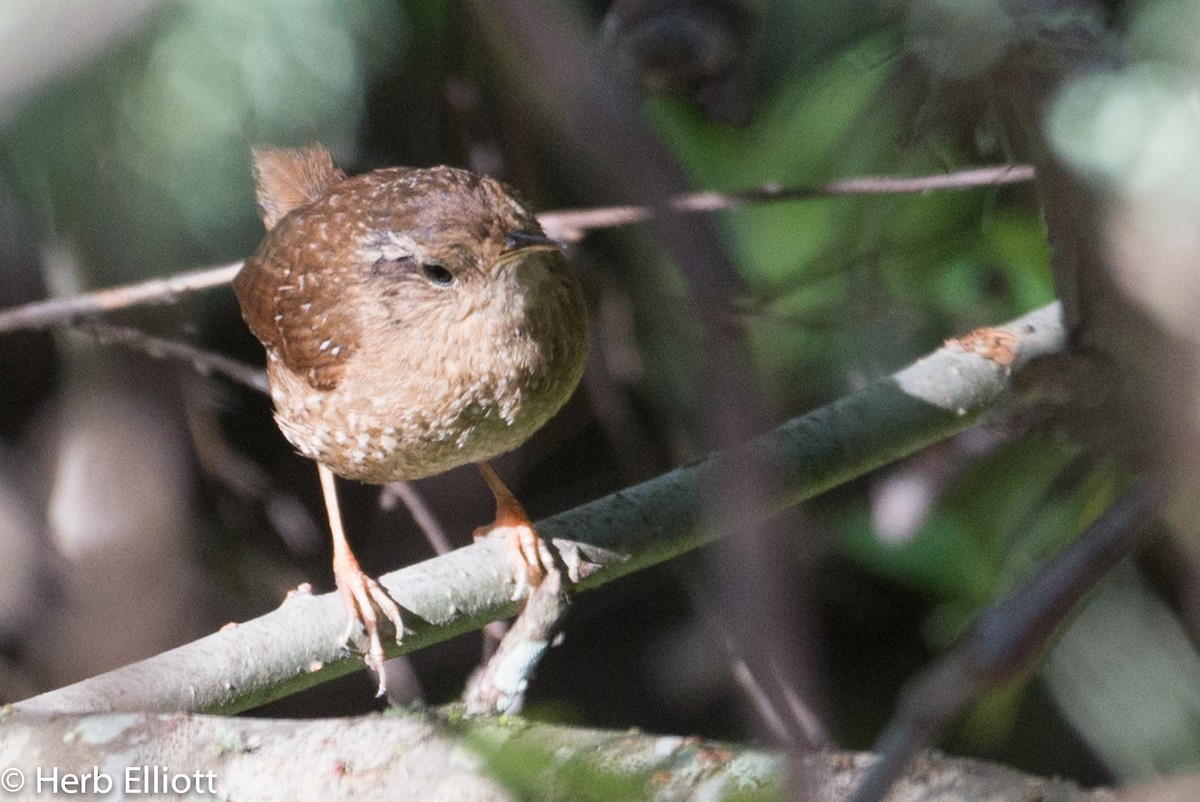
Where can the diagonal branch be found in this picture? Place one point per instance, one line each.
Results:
(1008, 636)
(294, 647)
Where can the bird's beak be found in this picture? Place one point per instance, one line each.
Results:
(520, 241)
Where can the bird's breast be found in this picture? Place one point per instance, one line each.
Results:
(407, 414)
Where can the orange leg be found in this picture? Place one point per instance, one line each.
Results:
(362, 594)
(513, 524)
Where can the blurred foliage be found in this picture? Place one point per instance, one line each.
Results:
(873, 279)
(602, 767)
(142, 160)
(1127, 676)
(963, 556)
(527, 768)
(843, 290)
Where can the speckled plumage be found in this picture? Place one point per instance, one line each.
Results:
(407, 329)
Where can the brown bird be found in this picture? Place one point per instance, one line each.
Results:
(414, 320)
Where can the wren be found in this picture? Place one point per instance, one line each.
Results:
(414, 320)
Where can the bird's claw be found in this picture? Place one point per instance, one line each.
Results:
(365, 599)
(530, 555)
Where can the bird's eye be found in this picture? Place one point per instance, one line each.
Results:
(437, 274)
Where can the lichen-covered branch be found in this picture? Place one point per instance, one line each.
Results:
(296, 646)
(426, 756)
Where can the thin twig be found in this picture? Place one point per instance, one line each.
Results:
(205, 362)
(780, 709)
(420, 512)
(569, 225)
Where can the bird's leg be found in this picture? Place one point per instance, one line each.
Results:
(514, 525)
(360, 593)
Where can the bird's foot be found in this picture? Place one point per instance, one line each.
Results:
(529, 553)
(365, 599)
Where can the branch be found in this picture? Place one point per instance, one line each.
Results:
(295, 646)
(499, 685)
(203, 362)
(426, 756)
(569, 225)
(57, 311)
